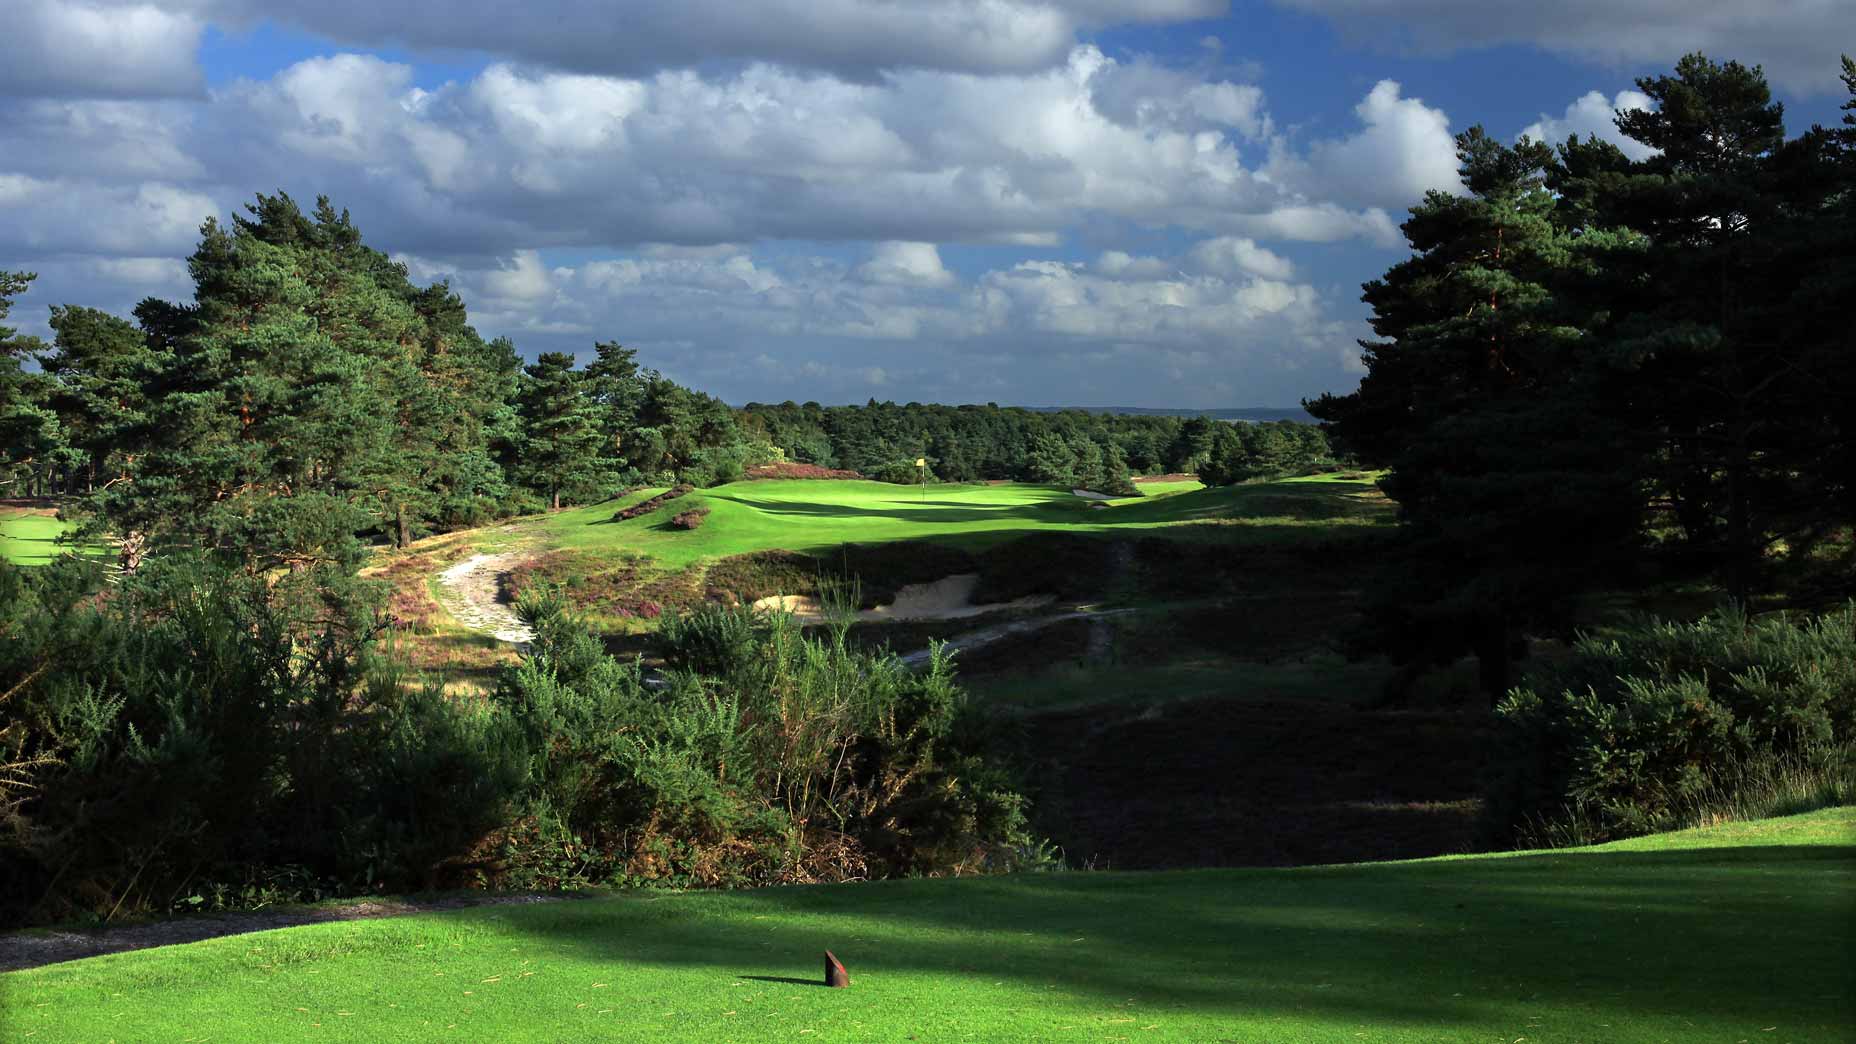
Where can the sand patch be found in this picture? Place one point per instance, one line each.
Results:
(949, 598)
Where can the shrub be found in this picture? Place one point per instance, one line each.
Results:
(196, 732)
(1637, 729)
(768, 757)
(690, 519)
(645, 507)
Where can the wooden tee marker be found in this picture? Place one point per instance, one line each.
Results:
(835, 975)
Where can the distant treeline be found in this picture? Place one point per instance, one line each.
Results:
(1240, 413)
(1089, 448)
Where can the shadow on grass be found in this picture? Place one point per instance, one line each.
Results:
(785, 980)
(1753, 934)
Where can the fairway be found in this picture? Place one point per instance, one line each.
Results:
(1732, 933)
(818, 515)
(30, 537)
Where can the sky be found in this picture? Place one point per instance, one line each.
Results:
(1036, 202)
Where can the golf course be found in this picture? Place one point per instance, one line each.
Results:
(924, 522)
(1737, 932)
(818, 515)
(28, 536)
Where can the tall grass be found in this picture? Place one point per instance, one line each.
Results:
(1765, 787)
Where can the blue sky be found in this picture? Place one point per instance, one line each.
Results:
(1100, 202)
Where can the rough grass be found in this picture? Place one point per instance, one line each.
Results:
(1735, 933)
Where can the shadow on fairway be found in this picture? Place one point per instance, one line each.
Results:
(786, 980)
(1647, 934)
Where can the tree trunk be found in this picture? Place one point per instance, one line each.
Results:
(405, 529)
(554, 500)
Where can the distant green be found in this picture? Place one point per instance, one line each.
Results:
(817, 515)
(30, 539)
(1734, 933)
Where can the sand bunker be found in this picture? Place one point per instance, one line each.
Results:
(949, 598)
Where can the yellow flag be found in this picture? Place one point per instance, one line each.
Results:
(921, 462)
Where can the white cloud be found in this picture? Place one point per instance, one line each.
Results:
(1403, 149)
(1229, 255)
(905, 264)
(98, 48)
(1593, 113)
(517, 159)
(522, 281)
(1322, 223)
(57, 216)
(1798, 41)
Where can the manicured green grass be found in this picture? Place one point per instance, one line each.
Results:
(817, 515)
(1736, 933)
(30, 539)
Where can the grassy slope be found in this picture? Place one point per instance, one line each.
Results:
(816, 515)
(1735, 933)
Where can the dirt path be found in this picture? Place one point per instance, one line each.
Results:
(469, 592)
(33, 949)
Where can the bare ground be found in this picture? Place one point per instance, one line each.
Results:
(469, 592)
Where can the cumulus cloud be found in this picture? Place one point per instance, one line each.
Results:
(98, 48)
(1403, 149)
(1593, 113)
(1798, 41)
(744, 323)
(518, 159)
(1229, 255)
(40, 216)
(568, 206)
(906, 264)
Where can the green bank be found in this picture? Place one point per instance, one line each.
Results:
(1732, 933)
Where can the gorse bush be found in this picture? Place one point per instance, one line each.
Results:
(1651, 726)
(765, 756)
(195, 731)
(199, 736)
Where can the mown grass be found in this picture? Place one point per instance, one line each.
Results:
(30, 537)
(814, 516)
(1734, 933)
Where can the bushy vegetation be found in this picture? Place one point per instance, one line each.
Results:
(195, 735)
(1665, 724)
(766, 756)
(200, 736)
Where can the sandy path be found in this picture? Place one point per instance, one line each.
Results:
(468, 591)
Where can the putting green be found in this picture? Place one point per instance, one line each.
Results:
(1738, 932)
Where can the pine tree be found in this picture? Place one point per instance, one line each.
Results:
(561, 438)
(30, 434)
(1514, 494)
